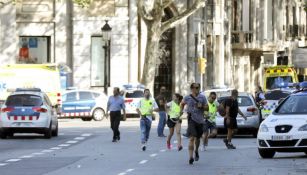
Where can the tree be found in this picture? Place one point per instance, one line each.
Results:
(152, 16)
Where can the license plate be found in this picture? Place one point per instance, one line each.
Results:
(281, 137)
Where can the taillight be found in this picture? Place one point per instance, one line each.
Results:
(39, 109)
(7, 109)
(128, 101)
(58, 98)
(251, 109)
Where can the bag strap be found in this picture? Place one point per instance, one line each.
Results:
(194, 98)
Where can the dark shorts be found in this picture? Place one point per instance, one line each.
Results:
(209, 126)
(195, 129)
(232, 124)
(171, 123)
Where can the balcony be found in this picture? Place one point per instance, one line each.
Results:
(242, 39)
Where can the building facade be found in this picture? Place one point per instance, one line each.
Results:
(237, 37)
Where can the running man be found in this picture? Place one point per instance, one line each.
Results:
(210, 126)
(174, 120)
(145, 109)
(196, 105)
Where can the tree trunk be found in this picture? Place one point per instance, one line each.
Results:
(151, 53)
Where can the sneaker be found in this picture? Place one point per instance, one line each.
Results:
(196, 156)
(144, 147)
(168, 145)
(231, 146)
(114, 140)
(203, 148)
(191, 161)
(180, 148)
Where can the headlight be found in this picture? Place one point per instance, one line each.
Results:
(303, 128)
(263, 128)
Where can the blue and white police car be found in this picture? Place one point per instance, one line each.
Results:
(28, 111)
(84, 104)
(285, 130)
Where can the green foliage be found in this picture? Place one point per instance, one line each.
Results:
(82, 3)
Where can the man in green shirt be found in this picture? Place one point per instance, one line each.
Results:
(210, 125)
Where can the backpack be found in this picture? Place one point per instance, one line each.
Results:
(222, 108)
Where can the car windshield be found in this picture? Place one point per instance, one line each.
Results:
(24, 100)
(276, 95)
(242, 100)
(135, 94)
(295, 104)
(278, 82)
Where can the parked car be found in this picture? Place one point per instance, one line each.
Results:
(285, 130)
(28, 111)
(132, 97)
(84, 104)
(248, 107)
(271, 101)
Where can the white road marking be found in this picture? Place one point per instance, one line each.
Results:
(129, 170)
(79, 138)
(143, 161)
(13, 160)
(3, 164)
(56, 148)
(47, 151)
(162, 150)
(153, 155)
(38, 153)
(26, 157)
(121, 173)
(86, 135)
(64, 145)
(72, 141)
(175, 141)
(61, 134)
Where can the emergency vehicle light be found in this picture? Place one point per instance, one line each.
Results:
(7, 109)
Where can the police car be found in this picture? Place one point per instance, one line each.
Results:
(272, 99)
(28, 111)
(84, 104)
(285, 130)
(132, 94)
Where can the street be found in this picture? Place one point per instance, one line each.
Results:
(86, 148)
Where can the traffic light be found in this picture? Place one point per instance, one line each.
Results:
(202, 64)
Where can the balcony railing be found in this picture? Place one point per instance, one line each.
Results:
(241, 37)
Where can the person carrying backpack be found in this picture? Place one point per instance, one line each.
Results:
(230, 119)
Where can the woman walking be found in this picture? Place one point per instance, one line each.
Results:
(174, 120)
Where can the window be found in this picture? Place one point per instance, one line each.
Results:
(34, 49)
(242, 100)
(85, 95)
(135, 94)
(278, 82)
(293, 105)
(72, 96)
(24, 100)
(99, 69)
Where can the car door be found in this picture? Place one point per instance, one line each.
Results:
(86, 103)
(69, 103)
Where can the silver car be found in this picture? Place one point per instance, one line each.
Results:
(28, 111)
(248, 107)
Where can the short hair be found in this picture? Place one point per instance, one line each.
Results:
(234, 91)
(117, 88)
(192, 85)
(180, 97)
(146, 90)
(212, 93)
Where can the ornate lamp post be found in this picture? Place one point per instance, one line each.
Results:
(106, 37)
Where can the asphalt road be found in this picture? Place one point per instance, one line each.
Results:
(85, 148)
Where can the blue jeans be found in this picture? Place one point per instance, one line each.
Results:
(162, 122)
(145, 125)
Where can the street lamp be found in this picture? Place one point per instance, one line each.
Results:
(106, 37)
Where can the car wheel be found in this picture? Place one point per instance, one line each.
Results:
(48, 132)
(264, 153)
(56, 131)
(3, 135)
(123, 118)
(98, 114)
(86, 119)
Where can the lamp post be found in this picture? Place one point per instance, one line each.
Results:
(106, 37)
